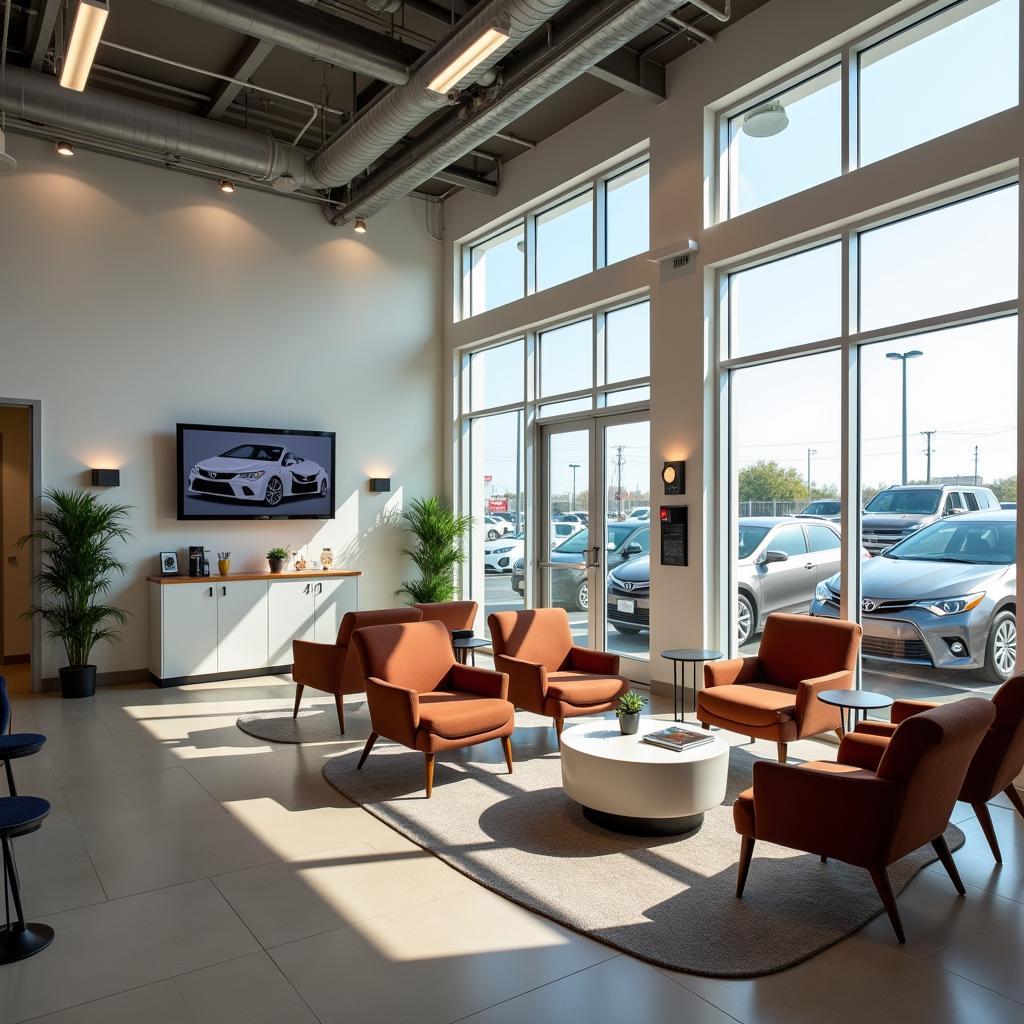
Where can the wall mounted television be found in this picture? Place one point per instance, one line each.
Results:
(254, 473)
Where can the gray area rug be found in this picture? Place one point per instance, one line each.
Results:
(668, 901)
(313, 725)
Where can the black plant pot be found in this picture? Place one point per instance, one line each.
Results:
(276, 564)
(628, 724)
(78, 682)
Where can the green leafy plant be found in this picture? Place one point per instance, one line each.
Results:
(438, 532)
(277, 553)
(630, 703)
(77, 533)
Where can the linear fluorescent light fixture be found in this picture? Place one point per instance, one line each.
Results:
(493, 38)
(90, 18)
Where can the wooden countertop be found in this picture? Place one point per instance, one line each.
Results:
(305, 574)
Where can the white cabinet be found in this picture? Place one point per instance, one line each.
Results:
(230, 626)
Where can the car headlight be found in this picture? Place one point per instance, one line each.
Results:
(519, 566)
(822, 594)
(195, 470)
(952, 605)
(254, 475)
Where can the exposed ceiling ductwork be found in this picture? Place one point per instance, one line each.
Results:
(392, 117)
(585, 37)
(309, 31)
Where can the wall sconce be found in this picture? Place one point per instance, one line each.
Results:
(380, 484)
(674, 476)
(106, 478)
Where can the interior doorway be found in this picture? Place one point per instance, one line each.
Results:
(18, 474)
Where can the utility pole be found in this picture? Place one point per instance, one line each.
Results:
(927, 435)
(810, 452)
(573, 466)
(976, 480)
(904, 358)
(619, 459)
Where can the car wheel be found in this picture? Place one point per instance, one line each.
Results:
(275, 491)
(1001, 648)
(582, 597)
(626, 630)
(746, 619)
(323, 488)
(492, 534)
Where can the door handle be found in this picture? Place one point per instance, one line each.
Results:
(562, 565)
(306, 589)
(319, 588)
(209, 592)
(223, 591)
(808, 565)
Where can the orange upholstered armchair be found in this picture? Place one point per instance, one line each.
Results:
(419, 697)
(547, 673)
(863, 816)
(454, 614)
(334, 668)
(774, 695)
(999, 760)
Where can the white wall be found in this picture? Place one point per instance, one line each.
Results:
(135, 298)
(16, 467)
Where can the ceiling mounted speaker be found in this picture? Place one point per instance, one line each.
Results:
(7, 162)
(765, 121)
(285, 183)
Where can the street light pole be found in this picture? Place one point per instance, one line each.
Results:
(904, 357)
(810, 452)
(573, 466)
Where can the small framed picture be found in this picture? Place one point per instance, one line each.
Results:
(168, 563)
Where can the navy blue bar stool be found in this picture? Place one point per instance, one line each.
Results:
(17, 744)
(19, 815)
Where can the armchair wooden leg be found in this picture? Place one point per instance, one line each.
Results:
(985, 819)
(880, 876)
(558, 723)
(1015, 798)
(942, 849)
(782, 752)
(366, 750)
(506, 745)
(339, 704)
(840, 734)
(706, 725)
(299, 687)
(746, 852)
(428, 766)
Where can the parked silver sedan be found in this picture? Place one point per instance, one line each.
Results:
(781, 562)
(945, 597)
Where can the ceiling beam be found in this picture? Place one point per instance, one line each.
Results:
(457, 176)
(627, 70)
(250, 57)
(46, 17)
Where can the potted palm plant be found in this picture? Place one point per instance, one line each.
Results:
(78, 534)
(627, 711)
(438, 533)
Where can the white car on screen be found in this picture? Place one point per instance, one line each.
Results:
(261, 473)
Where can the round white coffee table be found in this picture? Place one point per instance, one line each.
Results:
(629, 786)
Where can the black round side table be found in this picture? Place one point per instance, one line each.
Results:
(854, 705)
(694, 656)
(464, 646)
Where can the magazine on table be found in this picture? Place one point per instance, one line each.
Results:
(677, 738)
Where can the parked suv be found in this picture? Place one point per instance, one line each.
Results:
(895, 513)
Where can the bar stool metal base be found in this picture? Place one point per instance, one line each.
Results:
(21, 943)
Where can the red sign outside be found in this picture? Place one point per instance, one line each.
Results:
(497, 504)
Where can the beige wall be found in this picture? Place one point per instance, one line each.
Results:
(16, 572)
(135, 298)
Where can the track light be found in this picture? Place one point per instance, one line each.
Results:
(90, 18)
(64, 148)
(493, 38)
(226, 186)
(360, 227)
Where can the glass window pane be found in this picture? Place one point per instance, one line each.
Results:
(565, 241)
(564, 408)
(627, 214)
(496, 376)
(627, 396)
(786, 144)
(787, 302)
(945, 72)
(496, 270)
(567, 358)
(627, 338)
(957, 257)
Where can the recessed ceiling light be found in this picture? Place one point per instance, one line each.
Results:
(493, 38)
(360, 227)
(64, 148)
(765, 121)
(226, 186)
(90, 18)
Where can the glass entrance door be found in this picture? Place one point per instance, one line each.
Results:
(595, 532)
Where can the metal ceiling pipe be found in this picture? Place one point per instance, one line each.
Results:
(309, 31)
(32, 96)
(428, 8)
(719, 15)
(392, 117)
(586, 37)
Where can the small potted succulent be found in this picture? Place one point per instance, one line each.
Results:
(628, 712)
(277, 557)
